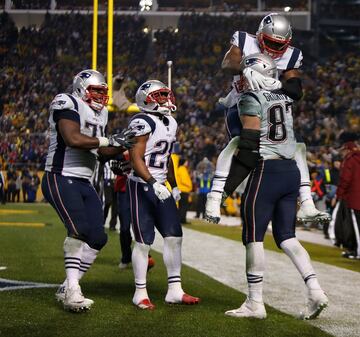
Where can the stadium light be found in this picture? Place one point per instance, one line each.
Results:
(146, 30)
(176, 30)
(145, 5)
(287, 9)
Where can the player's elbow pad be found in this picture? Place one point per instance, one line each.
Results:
(293, 88)
(248, 154)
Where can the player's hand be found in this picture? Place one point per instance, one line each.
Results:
(120, 167)
(272, 84)
(255, 80)
(161, 191)
(176, 193)
(126, 138)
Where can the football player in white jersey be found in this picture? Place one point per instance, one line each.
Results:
(267, 150)
(152, 204)
(272, 38)
(77, 126)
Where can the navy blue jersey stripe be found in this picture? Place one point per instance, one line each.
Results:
(76, 106)
(294, 57)
(59, 155)
(242, 38)
(66, 114)
(146, 118)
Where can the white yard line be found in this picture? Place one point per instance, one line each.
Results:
(224, 261)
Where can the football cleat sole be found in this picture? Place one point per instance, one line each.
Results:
(77, 307)
(212, 219)
(145, 304)
(186, 300)
(315, 314)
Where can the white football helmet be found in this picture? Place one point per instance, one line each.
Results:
(262, 63)
(155, 97)
(90, 86)
(274, 34)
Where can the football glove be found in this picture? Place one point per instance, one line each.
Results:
(120, 167)
(176, 193)
(161, 191)
(258, 81)
(126, 138)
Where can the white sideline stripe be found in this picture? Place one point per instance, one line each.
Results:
(224, 260)
(26, 285)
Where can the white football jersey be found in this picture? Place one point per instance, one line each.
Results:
(162, 136)
(248, 43)
(66, 160)
(277, 138)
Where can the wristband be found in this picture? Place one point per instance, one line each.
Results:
(151, 181)
(103, 141)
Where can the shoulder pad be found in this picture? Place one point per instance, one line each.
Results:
(142, 124)
(64, 102)
(295, 59)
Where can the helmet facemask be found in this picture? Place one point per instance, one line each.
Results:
(164, 99)
(273, 47)
(96, 96)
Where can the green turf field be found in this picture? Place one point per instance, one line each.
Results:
(35, 254)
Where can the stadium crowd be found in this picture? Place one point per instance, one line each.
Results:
(37, 63)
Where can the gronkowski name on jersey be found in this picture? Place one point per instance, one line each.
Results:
(162, 136)
(69, 161)
(277, 138)
(248, 44)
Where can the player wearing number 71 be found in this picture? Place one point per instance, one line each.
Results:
(152, 204)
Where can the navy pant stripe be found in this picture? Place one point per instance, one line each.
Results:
(52, 197)
(63, 207)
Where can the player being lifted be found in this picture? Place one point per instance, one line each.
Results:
(77, 125)
(152, 204)
(273, 38)
(267, 151)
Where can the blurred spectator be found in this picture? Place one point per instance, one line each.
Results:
(2, 188)
(185, 186)
(232, 205)
(18, 184)
(348, 191)
(204, 175)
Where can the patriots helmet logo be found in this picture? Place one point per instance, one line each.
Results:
(267, 19)
(145, 86)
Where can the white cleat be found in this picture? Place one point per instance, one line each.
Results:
(316, 302)
(75, 300)
(60, 293)
(309, 213)
(212, 207)
(249, 308)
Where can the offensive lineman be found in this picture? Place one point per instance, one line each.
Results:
(77, 125)
(152, 204)
(267, 152)
(273, 38)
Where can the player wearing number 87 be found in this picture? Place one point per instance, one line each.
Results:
(152, 204)
(266, 150)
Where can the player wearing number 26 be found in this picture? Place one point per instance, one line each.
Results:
(152, 204)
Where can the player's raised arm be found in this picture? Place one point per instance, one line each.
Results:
(232, 60)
